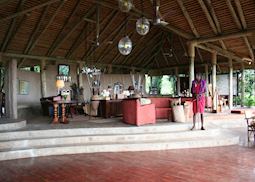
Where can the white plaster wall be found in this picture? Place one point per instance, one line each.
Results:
(33, 98)
(51, 72)
(223, 84)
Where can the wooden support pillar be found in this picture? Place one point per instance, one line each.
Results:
(191, 52)
(242, 86)
(206, 79)
(11, 89)
(214, 84)
(230, 96)
(43, 79)
(178, 83)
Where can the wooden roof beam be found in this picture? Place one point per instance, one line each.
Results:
(92, 48)
(23, 12)
(11, 28)
(46, 27)
(77, 41)
(212, 19)
(115, 34)
(108, 21)
(223, 36)
(50, 58)
(143, 52)
(34, 33)
(239, 19)
(61, 37)
(138, 13)
(138, 53)
(187, 16)
(173, 50)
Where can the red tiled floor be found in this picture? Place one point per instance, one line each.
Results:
(222, 164)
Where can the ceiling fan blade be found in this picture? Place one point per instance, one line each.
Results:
(163, 23)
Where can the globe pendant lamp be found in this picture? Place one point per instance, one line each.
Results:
(142, 26)
(125, 5)
(125, 46)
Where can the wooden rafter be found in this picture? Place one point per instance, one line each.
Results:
(244, 26)
(173, 50)
(213, 14)
(116, 33)
(79, 39)
(155, 50)
(79, 43)
(29, 10)
(146, 51)
(208, 16)
(35, 32)
(11, 28)
(187, 16)
(135, 48)
(50, 58)
(93, 47)
(212, 19)
(137, 53)
(162, 51)
(61, 37)
(170, 28)
(108, 21)
(46, 27)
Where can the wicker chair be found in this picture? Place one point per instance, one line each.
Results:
(250, 119)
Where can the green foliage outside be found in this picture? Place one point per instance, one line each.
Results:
(165, 84)
(249, 96)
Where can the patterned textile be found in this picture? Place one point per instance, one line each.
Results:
(198, 89)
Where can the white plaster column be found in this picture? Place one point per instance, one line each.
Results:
(230, 96)
(242, 86)
(178, 83)
(192, 64)
(11, 89)
(206, 79)
(214, 84)
(43, 79)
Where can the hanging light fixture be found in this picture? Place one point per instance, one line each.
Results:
(142, 24)
(125, 5)
(125, 45)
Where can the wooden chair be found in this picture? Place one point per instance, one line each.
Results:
(250, 119)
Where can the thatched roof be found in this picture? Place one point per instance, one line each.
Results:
(66, 29)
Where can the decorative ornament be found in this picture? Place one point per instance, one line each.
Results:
(125, 46)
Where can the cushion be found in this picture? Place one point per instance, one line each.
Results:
(145, 101)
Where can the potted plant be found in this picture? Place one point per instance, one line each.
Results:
(77, 92)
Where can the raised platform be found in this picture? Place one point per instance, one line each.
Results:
(10, 124)
(164, 136)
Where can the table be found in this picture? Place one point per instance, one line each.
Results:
(63, 104)
(110, 108)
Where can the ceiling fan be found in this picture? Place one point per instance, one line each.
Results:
(157, 20)
(96, 42)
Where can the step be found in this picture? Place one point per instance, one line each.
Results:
(211, 141)
(9, 125)
(91, 131)
(93, 139)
